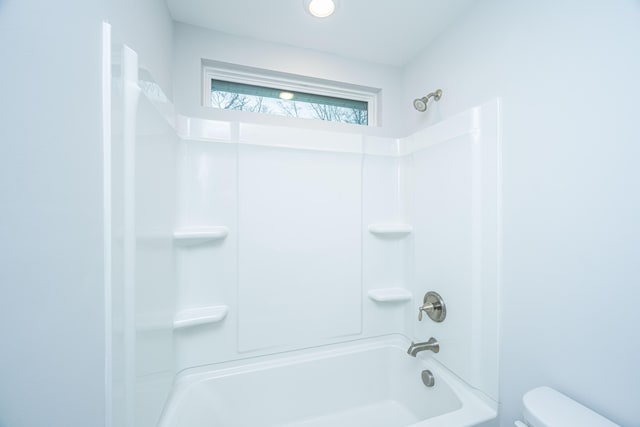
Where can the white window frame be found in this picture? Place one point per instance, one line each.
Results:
(215, 70)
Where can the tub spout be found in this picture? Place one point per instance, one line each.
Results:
(431, 345)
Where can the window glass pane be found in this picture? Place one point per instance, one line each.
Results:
(239, 96)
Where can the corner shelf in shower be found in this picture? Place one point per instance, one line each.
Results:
(197, 235)
(390, 229)
(390, 295)
(200, 316)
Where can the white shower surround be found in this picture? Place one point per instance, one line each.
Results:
(242, 282)
(279, 306)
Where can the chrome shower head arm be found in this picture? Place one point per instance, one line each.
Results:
(436, 95)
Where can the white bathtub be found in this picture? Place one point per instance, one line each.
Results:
(369, 383)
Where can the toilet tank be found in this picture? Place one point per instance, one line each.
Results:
(546, 407)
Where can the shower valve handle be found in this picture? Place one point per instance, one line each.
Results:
(433, 305)
(426, 308)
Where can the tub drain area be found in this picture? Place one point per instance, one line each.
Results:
(427, 378)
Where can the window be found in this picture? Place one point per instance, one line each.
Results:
(231, 87)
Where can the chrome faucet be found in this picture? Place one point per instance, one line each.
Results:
(431, 345)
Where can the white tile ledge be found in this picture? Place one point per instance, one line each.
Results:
(390, 229)
(197, 235)
(200, 316)
(390, 295)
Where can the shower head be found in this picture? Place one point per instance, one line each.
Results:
(420, 104)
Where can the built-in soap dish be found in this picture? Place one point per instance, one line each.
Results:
(197, 235)
(390, 295)
(390, 229)
(200, 316)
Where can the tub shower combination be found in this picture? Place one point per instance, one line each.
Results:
(286, 276)
(372, 383)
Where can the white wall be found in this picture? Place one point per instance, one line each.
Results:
(51, 275)
(567, 73)
(51, 271)
(192, 44)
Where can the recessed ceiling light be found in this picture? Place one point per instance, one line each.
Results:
(321, 8)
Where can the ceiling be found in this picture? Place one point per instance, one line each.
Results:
(388, 32)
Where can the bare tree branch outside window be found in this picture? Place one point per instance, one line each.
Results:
(303, 107)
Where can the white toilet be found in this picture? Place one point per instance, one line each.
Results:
(546, 407)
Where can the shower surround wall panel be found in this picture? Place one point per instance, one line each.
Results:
(207, 269)
(154, 272)
(386, 256)
(143, 150)
(455, 210)
(299, 246)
